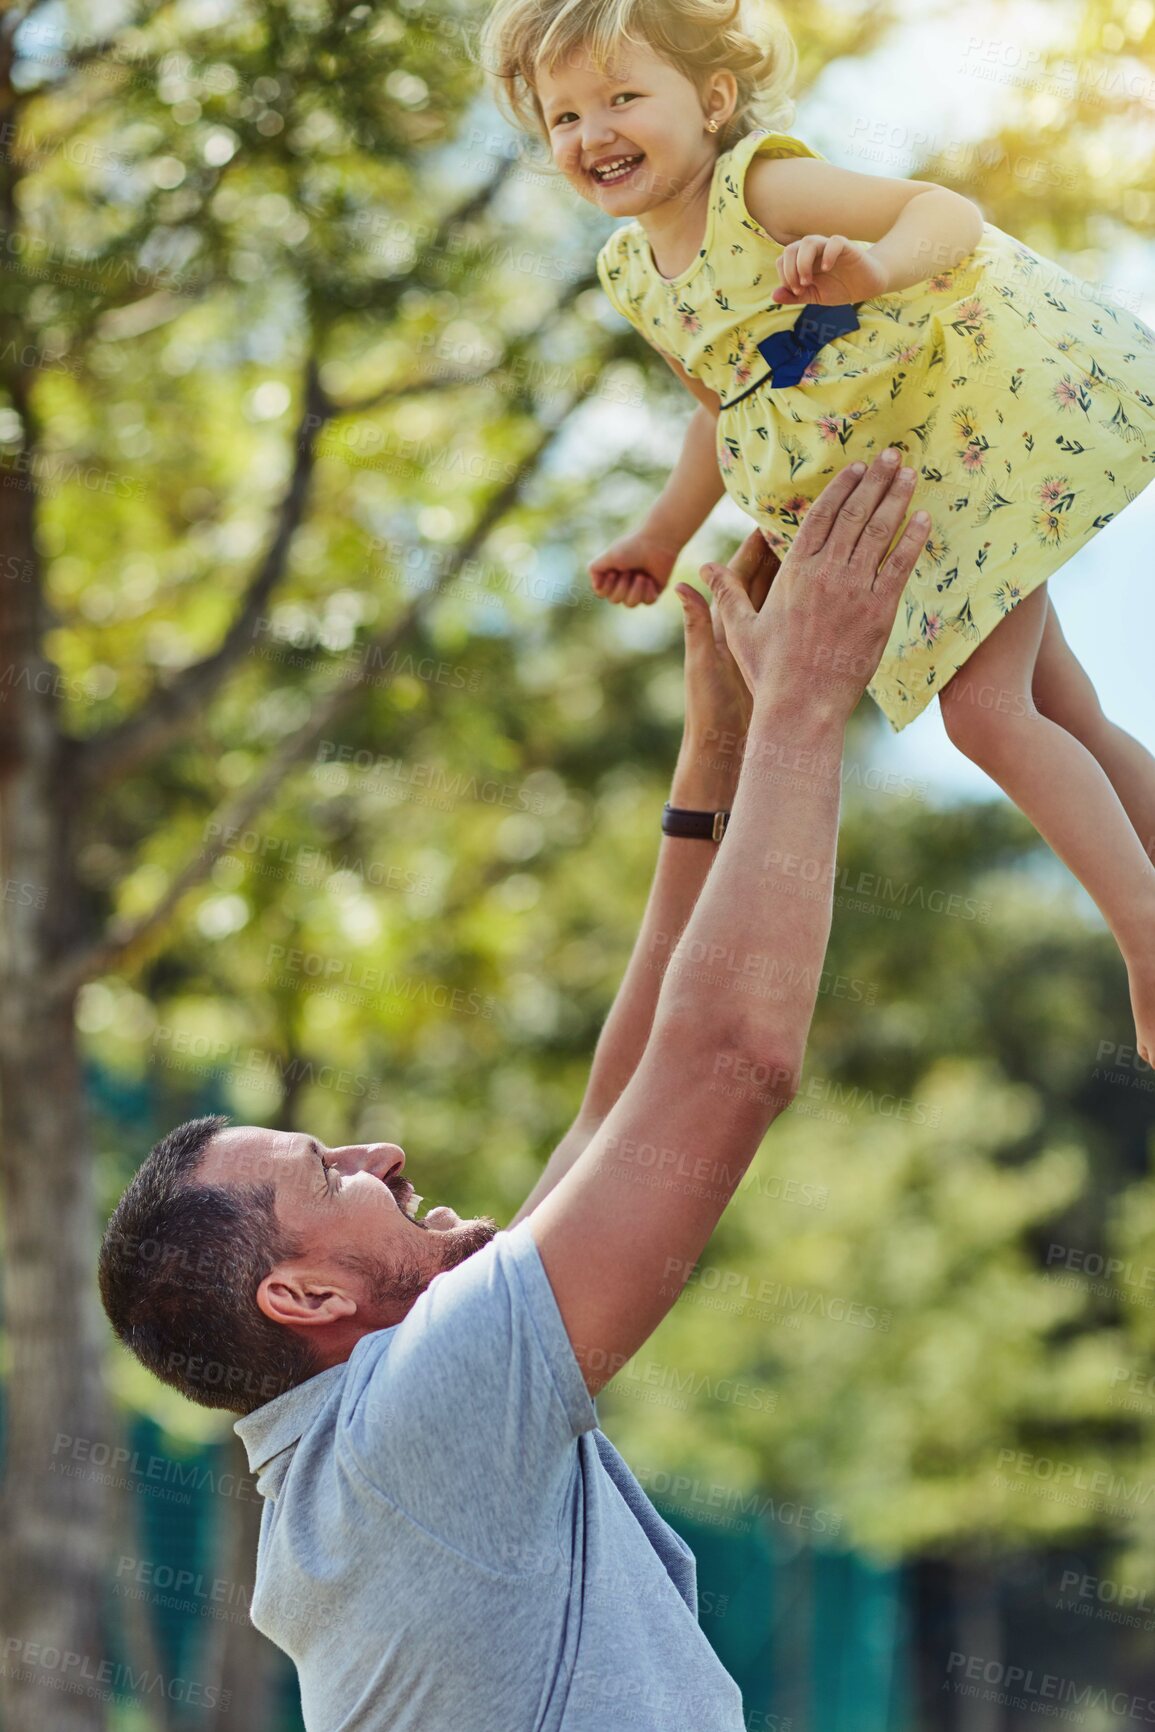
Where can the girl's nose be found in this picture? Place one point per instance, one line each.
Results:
(598, 133)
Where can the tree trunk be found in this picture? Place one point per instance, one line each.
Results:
(52, 1660)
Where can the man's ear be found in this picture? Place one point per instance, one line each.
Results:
(292, 1296)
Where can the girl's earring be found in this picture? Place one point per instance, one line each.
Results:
(711, 126)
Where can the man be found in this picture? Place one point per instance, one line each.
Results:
(448, 1539)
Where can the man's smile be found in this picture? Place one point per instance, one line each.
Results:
(437, 1220)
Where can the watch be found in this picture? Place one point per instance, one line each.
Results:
(700, 826)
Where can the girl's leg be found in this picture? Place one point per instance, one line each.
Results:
(1064, 694)
(989, 712)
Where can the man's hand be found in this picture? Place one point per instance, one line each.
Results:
(635, 569)
(831, 573)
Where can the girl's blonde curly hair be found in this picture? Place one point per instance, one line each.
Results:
(745, 37)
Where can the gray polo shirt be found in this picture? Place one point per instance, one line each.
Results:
(450, 1544)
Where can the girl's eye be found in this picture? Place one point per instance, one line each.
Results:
(625, 96)
(563, 119)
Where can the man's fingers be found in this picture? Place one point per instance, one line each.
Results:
(696, 614)
(894, 573)
(879, 489)
(819, 520)
(733, 602)
(881, 526)
(752, 561)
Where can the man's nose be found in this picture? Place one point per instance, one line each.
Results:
(381, 1159)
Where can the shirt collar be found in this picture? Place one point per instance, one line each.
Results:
(280, 1424)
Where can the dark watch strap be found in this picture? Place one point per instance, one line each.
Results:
(699, 826)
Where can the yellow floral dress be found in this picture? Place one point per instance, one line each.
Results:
(1024, 401)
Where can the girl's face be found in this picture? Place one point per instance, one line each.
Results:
(630, 139)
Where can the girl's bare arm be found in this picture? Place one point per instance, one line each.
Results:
(917, 228)
(695, 485)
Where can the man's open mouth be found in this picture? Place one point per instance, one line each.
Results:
(615, 170)
(405, 1197)
(436, 1219)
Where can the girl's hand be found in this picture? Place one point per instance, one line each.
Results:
(635, 569)
(829, 271)
(718, 700)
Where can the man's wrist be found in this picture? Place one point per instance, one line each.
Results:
(705, 777)
(794, 737)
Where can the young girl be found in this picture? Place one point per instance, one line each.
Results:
(1024, 401)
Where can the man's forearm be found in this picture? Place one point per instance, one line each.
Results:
(748, 965)
(704, 780)
(701, 783)
(695, 485)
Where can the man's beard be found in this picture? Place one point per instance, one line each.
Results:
(391, 1281)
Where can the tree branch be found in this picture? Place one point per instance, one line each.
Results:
(172, 707)
(128, 944)
(430, 383)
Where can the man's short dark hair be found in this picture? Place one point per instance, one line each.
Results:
(180, 1265)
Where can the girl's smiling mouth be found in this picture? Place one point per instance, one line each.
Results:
(613, 170)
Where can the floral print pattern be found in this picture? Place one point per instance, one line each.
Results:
(1024, 401)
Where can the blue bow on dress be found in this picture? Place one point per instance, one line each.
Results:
(788, 353)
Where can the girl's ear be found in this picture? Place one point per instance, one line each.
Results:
(720, 98)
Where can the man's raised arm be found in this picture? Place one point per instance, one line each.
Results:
(622, 1228)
